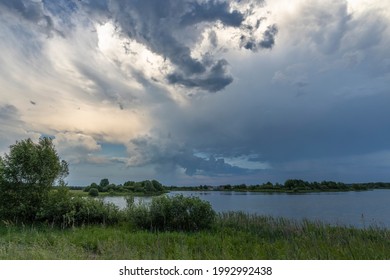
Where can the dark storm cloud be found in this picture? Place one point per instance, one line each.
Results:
(269, 37)
(213, 39)
(166, 154)
(158, 33)
(215, 80)
(30, 11)
(268, 41)
(96, 6)
(195, 165)
(211, 11)
(169, 27)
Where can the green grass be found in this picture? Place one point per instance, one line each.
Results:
(234, 236)
(78, 193)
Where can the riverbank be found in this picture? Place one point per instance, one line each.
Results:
(290, 186)
(234, 236)
(81, 193)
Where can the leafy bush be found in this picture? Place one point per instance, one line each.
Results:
(139, 216)
(173, 213)
(58, 209)
(92, 211)
(19, 203)
(63, 210)
(94, 192)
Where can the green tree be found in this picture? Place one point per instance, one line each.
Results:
(103, 183)
(293, 184)
(1, 170)
(129, 183)
(27, 174)
(157, 185)
(148, 186)
(93, 185)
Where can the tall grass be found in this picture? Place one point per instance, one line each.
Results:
(234, 235)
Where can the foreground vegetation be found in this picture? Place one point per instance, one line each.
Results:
(233, 236)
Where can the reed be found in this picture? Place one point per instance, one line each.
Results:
(234, 235)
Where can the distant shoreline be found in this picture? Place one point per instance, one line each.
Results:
(292, 186)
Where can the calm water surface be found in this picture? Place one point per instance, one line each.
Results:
(359, 209)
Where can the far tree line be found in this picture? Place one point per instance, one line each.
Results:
(147, 187)
(153, 187)
(290, 185)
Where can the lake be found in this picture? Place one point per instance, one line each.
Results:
(359, 209)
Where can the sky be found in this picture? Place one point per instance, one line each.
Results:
(194, 92)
